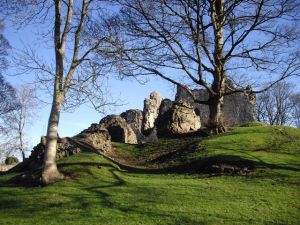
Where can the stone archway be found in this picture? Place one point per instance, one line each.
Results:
(116, 133)
(119, 130)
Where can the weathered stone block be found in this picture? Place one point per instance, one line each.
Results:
(150, 112)
(134, 118)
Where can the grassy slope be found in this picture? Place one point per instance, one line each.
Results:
(106, 196)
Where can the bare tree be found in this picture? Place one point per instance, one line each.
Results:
(6, 147)
(74, 77)
(4, 47)
(204, 43)
(17, 120)
(8, 99)
(274, 106)
(7, 92)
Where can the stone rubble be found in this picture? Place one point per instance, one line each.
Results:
(97, 136)
(164, 118)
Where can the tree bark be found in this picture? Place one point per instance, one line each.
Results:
(23, 156)
(218, 86)
(21, 143)
(50, 172)
(216, 124)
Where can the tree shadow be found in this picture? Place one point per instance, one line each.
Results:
(108, 200)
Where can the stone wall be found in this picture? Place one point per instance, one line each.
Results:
(163, 117)
(97, 136)
(119, 130)
(238, 108)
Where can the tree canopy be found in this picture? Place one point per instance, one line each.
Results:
(8, 101)
(204, 43)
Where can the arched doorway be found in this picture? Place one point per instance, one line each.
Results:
(116, 133)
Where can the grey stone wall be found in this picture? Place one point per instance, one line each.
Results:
(238, 108)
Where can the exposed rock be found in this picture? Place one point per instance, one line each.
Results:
(134, 118)
(162, 124)
(184, 120)
(222, 164)
(183, 96)
(94, 127)
(97, 136)
(164, 117)
(150, 112)
(119, 130)
(65, 148)
(152, 136)
(238, 108)
(165, 106)
(180, 119)
(227, 169)
(4, 167)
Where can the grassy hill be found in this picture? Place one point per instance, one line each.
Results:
(164, 184)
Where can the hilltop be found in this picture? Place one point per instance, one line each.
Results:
(159, 183)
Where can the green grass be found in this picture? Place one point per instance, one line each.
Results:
(98, 193)
(253, 124)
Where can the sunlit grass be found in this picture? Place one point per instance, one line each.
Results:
(98, 193)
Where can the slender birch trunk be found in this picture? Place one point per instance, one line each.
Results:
(62, 82)
(22, 145)
(50, 172)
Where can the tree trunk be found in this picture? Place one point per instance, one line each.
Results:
(21, 144)
(218, 86)
(216, 124)
(50, 172)
(23, 156)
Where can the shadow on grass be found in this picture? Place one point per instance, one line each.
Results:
(104, 195)
(87, 199)
(149, 197)
(174, 158)
(107, 194)
(233, 163)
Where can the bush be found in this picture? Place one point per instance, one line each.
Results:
(11, 160)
